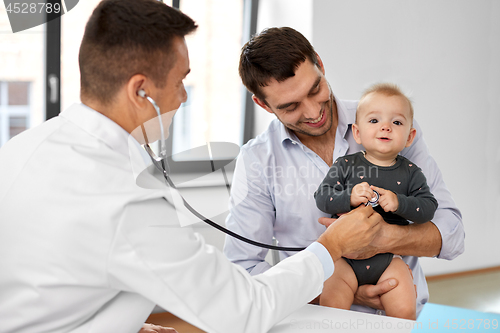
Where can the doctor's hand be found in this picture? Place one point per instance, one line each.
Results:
(351, 232)
(369, 295)
(326, 221)
(150, 328)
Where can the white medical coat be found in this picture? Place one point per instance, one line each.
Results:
(84, 249)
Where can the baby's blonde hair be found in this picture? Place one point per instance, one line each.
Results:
(387, 89)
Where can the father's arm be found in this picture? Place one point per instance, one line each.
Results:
(251, 213)
(444, 235)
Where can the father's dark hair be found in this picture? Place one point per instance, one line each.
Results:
(274, 53)
(128, 37)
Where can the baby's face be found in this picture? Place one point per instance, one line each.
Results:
(384, 125)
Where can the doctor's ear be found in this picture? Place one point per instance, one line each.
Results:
(261, 103)
(137, 90)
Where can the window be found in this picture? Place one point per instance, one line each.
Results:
(215, 105)
(21, 78)
(217, 101)
(15, 111)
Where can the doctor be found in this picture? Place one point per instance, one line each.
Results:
(84, 249)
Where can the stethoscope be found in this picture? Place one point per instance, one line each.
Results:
(162, 166)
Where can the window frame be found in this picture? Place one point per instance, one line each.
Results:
(53, 63)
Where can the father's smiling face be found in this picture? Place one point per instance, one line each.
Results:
(303, 103)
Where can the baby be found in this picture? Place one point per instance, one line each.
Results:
(396, 188)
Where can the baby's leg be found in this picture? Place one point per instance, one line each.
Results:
(339, 289)
(400, 302)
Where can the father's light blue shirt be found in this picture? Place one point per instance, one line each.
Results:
(272, 195)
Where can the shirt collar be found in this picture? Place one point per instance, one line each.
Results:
(287, 135)
(346, 118)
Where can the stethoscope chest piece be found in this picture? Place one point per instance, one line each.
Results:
(374, 200)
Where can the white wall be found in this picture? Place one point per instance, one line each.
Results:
(446, 54)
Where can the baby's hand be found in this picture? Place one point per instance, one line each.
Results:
(388, 200)
(361, 194)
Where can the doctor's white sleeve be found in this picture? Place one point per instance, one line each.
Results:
(153, 256)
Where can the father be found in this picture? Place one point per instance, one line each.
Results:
(282, 167)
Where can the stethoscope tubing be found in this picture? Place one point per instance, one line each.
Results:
(161, 166)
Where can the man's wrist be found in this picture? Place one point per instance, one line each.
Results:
(391, 235)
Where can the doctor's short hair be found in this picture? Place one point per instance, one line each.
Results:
(387, 89)
(127, 37)
(275, 53)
